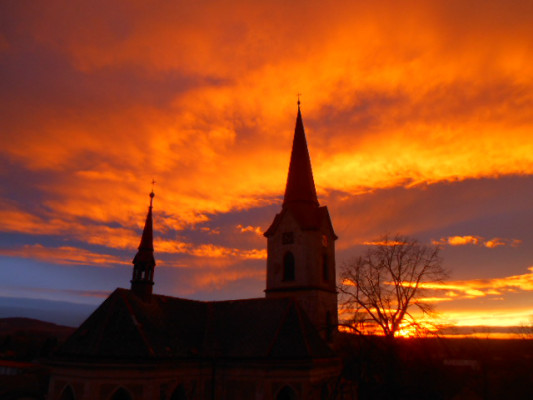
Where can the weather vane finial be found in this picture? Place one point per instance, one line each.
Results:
(299, 94)
(152, 192)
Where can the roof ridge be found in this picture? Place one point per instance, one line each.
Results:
(304, 329)
(112, 299)
(291, 302)
(138, 325)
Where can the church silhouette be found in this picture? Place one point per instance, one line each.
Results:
(138, 345)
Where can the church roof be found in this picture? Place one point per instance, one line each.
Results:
(300, 183)
(125, 327)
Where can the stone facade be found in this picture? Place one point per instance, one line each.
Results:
(253, 380)
(311, 255)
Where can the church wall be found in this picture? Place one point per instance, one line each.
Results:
(310, 248)
(100, 381)
(233, 380)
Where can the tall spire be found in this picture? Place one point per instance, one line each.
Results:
(146, 246)
(300, 183)
(144, 261)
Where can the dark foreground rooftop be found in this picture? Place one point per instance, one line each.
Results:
(126, 327)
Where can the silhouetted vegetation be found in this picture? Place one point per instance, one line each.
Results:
(435, 368)
(382, 287)
(24, 342)
(25, 339)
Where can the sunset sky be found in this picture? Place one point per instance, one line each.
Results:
(418, 115)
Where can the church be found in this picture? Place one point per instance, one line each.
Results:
(138, 345)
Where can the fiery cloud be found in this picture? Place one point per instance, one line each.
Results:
(382, 243)
(208, 250)
(477, 240)
(475, 288)
(410, 87)
(64, 255)
(98, 99)
(255, 229)
(504, 317)
(482, 287)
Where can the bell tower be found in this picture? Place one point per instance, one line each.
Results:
(142, 281)
(301, 244)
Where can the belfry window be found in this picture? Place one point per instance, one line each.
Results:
(288, 267)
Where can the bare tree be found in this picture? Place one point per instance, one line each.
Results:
(525, 331)
(383, 286)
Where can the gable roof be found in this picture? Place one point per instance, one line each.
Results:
(125, 327)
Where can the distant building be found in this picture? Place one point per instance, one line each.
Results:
(139, 345)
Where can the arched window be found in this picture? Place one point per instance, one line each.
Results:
(287, 393)
(325, 267)
(179, 393)
(288, 267)
(67, 394)
(121, 394)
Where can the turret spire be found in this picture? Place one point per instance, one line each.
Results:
(144, 261)
(300, 183)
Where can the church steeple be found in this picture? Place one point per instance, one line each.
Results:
(144, 261)
(300, 187)
(301, 244)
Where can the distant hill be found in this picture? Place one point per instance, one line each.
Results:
(13, 326)
(57, 312)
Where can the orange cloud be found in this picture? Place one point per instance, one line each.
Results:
(504, 317)
(477, 240)
(483, 287)
(201, 97)
(25, 222)
(255, 229)
(502, 242)
(410, 87)
(382, 243)
(64, 255)
(207, 250)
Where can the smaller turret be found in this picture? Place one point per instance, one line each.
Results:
(142, 281)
